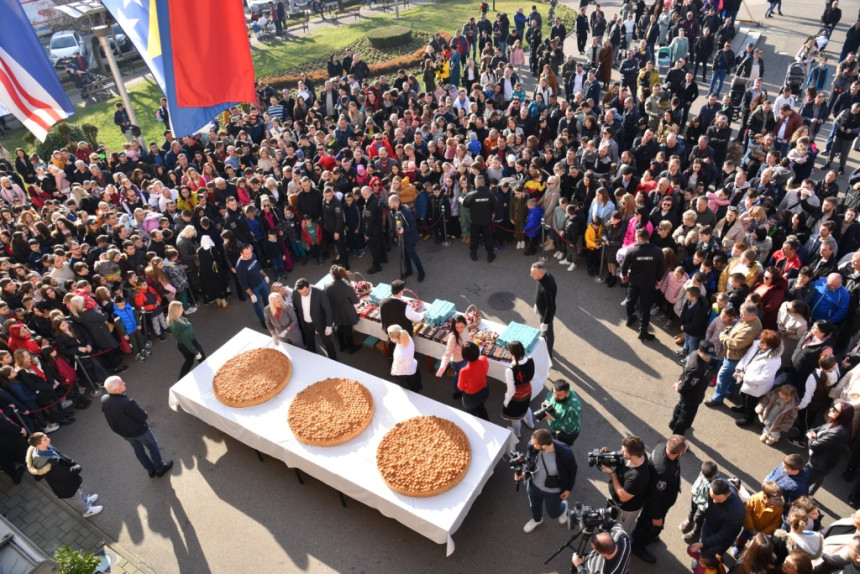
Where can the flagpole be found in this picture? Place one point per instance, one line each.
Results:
(101, 32)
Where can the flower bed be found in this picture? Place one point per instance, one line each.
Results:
(404, 56)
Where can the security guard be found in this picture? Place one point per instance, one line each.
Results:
(644, 266)
(482, 206)
(333, 221)
(663, 490)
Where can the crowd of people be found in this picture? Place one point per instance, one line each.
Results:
(715, 218)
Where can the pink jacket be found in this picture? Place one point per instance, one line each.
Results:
(671, 286)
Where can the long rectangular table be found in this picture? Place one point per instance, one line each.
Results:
(350, 468)
(539, 354)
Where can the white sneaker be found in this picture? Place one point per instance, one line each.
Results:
(520, 244)
(571, 267)
(92, 511)
(562, 518)
(91, 499)
(52, 427)
(191, 310)
(564, 262)
(558, 255)
(531, 525)
(66, 403)
(623, 303)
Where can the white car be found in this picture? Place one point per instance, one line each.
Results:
(257, 5)
(65, 44)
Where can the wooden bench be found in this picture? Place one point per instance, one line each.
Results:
(296, 23)
(351, 11)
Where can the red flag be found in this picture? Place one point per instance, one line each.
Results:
(211, 52)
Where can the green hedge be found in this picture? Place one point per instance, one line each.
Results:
(388, 36)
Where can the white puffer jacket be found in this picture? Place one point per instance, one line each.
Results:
(759, 368)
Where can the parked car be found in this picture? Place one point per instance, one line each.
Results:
(64, 45)
(257, 6)
(121, 39)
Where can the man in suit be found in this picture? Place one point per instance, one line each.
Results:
(371, 228)
(395, 311)
(314, 313)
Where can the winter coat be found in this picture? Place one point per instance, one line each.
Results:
(96, 325)
(739, 339)
(810, 542)
(826, 448)
(784, 420)
(343, 300)
(283, 320)
(759, 369)
(761, 517)
(61, 473)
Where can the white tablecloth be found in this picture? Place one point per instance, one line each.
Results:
(349, 468)
(540, 354)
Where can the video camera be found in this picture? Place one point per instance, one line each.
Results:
(546, 408)
(517, 461)
(589, 518)
(607, 458)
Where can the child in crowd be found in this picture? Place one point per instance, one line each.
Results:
(518, 213)
(574, 226)
(273, 251)
(594, 245)
(763, 514)
(290, 229)
(312, 238)
(132, 328)
(699, 500)
(778, 411)
(533, 226)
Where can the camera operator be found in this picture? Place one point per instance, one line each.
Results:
(665, 468)
(562, 411)
(550, 474)
(628, 483)
(610, 552)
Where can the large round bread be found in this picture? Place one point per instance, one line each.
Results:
(252, 377)
(424, 456)
(330, 412)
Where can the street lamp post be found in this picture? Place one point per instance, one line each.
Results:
(101, 32)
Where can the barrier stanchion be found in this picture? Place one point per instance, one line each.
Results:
(543, 256)
(96, 390)
(445, 241)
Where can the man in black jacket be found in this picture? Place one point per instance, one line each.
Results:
(693, 383)
(644, 266)
(371, 228)
(405, 227)
(545, 301)
(313, 311)
(482, 205)
(333, 223)
(724, 518)
(665, 470)
(61, 473)
(126, 418)
(552, 469)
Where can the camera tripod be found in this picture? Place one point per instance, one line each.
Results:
(584, 536)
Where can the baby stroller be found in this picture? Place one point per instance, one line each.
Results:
(739, 88)
(664, 61)
(794, 77)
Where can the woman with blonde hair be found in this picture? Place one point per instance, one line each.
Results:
(186, 341)
(281, 321)
(404, 367)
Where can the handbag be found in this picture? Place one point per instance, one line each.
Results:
(552, 480)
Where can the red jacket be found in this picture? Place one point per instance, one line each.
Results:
(145, 298)
(473, 377)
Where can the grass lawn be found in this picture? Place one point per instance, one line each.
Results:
(276, 57)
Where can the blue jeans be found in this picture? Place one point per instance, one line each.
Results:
(691, 344)
(456, 365)
(278, 266)
(141, 444)
(717, 76)
(725, 380)
(410, 256)
(830, 138)
(262, 293)
(537, 499)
